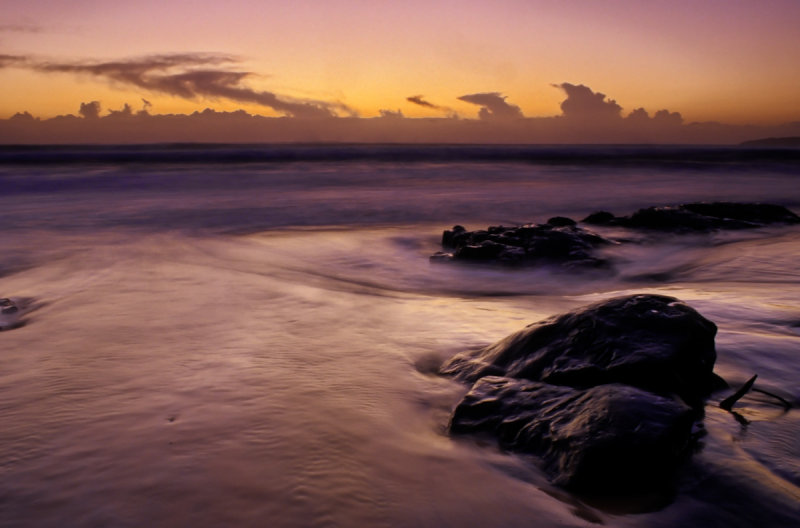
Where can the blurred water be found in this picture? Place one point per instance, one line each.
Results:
(251, 343)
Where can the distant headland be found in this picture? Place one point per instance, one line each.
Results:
(781, 142)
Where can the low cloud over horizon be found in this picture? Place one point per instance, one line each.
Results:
(587, 116)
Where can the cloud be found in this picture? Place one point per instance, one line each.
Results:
(668, 118)
(118, 126)
(589, 117)
(582, 102)
(23, 116)
(90, 110)
(126, 111)
(639, 115)
(662, 118)
(418, 100)
(390, 114)
(493, 106)
(185, 75)
(8, 61)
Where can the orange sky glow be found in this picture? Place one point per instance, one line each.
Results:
(729, 61)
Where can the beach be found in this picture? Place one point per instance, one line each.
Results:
(250, 336)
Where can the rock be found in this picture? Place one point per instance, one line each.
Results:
(600, 218)
(701, 216)
(755, 213)
(561, 243)
(606, 395)
(441, 256)
(610, 438)
(10, 314)
(653, 342)
(680, 219)
(450, 238)
(483, 251)
(7, 306)
(560, 221)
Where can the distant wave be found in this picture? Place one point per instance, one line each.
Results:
(676, 156)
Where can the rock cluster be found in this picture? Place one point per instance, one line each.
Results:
(699, 217)
(606, 395)
(559, 241)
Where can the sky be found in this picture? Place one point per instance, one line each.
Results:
(731, 61)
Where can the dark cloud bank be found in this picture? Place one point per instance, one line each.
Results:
(586, 116)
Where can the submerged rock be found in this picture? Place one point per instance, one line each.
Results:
(702, 216)
(7, 306)
(653, 342)
(9, 314)
(557, 242)
(606, 395)
(613, 438)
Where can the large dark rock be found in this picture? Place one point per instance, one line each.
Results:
(559, 242)
(653, 342)
(610, 438)
(703, 216)
(605, 395)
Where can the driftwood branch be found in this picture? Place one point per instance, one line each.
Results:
(728, 402)
(786, 404)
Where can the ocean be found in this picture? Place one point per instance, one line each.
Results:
(245, 335)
